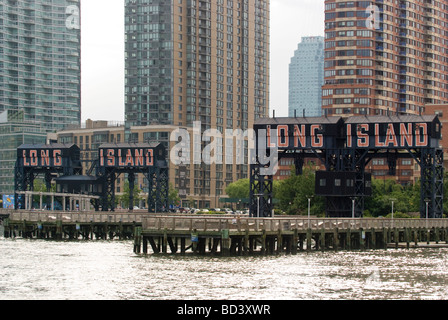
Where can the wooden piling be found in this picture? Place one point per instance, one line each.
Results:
(396, 237)
(182, 245)
(225, 243)
(349, 239)
(145, 245)
(308, 239)
(336, 239)
(437, 235)
(361, 239)
(155, 248)
(322, 239)
(406, 237)
(246, 245)
(295, 238)
(137, 239)
(59, 229)
(279, 241)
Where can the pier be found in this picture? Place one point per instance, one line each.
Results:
(75, 225)
(227, 235)
(235, 235)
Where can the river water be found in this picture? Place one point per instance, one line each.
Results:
(105, 270)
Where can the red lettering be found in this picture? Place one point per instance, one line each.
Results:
(57, 158)
(150, 157)
(363, 137)
(390, 136)
(299, 135)
(45, 155)
(378, 143)
(33, 158)
(25, 162)
(129, 159)
(421, 138)
(349, 135)
(406, 135)
(120, 159)
(283, 143)
(101, 158)
(316, 139)
(139, 157)
(111, 157)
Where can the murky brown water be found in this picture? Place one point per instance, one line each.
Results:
(102, 270)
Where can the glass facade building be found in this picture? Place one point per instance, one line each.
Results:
(201, 61)
(306, 77)
(40, 77)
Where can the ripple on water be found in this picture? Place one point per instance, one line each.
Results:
(34, 269)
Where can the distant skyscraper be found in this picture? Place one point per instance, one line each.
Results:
(385, 56)
(40, 89)
(306, 77)
(201, 61)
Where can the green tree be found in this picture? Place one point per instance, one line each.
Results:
(239, 189)
(445, 193)
(125, 197)
(293, 194)
(173, 196)
(40, 186)
(405, 198)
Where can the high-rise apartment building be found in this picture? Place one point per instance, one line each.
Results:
(39, 74)
(385, 55)
(198, 61)
(306, 77)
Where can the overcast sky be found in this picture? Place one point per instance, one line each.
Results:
(102, 26)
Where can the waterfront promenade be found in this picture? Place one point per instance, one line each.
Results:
(71, 225)
(226, 234)
(241, 235)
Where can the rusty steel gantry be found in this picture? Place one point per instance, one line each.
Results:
(345, 146)
(61, 162)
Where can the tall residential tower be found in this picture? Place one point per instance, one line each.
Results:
(197, 61)
(40, 89)
(385, 56)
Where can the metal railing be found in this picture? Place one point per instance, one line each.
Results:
(214, 223)
(220, 222)
(81, 216)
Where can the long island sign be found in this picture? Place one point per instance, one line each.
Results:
(372, 132)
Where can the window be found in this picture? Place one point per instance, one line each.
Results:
(406, 162)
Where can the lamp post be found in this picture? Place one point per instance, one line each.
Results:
(392, 199)
(427, 204)
(309, 209)
(427, 200)
(258, 203)
(353, 208)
